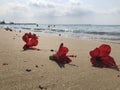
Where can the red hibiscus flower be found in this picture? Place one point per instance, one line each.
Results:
(100, 57)
(30, 39)
(61, 55)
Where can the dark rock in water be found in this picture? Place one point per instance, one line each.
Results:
(2, 22)
(11, 22)
(37, 25)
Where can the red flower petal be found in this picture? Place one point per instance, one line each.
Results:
(62, 50)
(34, 42)
(30, 43)
(100, 57)
(30, 35)
(104, 50)
(30, 39)
(62, 59)
(25, 37)
(60, 56)
(93, 59)
(95, 53)
(96, 63)
(61, 45)
(34, 36)
(108, 61)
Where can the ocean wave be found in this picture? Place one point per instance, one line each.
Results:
(58, 30)
(78, 31)
(73, 30)
(104, 33)
(26, 28)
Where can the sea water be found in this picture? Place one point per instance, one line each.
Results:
(109, 33)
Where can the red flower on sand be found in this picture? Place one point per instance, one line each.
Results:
(30, 40)
(61, 55)
(100, 57)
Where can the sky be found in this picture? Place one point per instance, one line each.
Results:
(61, 11)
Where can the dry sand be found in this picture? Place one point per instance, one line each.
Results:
(44, 74)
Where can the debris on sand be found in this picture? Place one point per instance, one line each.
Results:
(28, 70)
(5, 63)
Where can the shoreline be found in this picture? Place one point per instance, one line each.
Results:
(69, 33)
(104, 40)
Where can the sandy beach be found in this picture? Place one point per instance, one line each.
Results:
(32, 70)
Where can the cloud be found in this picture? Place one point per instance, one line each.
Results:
(48, 8)
(114, 11)
(55, 10)
(16, 11)
(72, 7)
(12, 8)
